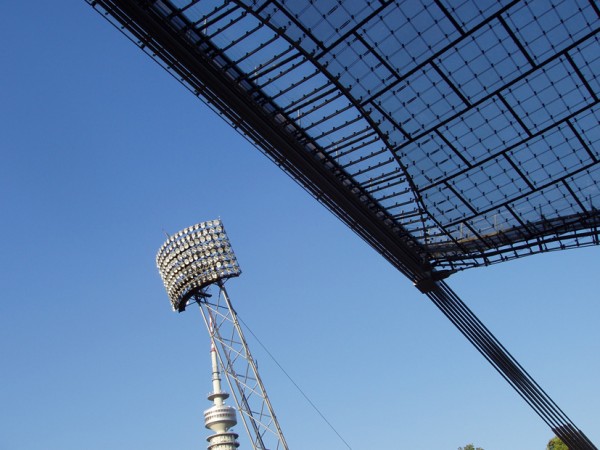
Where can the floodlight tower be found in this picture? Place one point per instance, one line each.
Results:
(190, 263)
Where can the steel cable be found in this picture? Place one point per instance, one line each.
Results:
(486, 343)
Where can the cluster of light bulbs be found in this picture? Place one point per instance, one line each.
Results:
(195, 258)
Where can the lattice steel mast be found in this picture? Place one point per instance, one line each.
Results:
(190, 262)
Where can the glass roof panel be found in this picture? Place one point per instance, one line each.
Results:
(437, 119)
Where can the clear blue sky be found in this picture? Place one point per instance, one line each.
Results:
(101, 150)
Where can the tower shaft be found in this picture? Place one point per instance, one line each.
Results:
(220, 417)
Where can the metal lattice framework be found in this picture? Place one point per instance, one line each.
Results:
(190, 262)
(447, 134)
(240, 370)
(468, 129)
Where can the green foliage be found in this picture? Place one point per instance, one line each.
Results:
(556, 444)
(469, 447)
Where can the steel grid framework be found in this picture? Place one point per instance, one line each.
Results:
(190, 262)
(241, 372)
(447, 134)
(467, 130)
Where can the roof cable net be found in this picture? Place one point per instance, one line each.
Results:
(473, 125)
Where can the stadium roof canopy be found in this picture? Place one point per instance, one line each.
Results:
(463, 133)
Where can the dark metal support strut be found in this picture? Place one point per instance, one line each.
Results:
(492, 350)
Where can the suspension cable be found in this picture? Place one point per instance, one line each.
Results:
(306, 397)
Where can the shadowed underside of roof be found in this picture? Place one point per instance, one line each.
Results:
(464, 132)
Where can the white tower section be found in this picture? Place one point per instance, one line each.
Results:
(220, 417)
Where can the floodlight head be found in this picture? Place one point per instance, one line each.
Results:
(193, 259)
